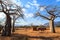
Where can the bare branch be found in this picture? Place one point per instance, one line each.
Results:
(51, 12)
(38, 14)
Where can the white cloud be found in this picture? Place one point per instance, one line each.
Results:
(34, 1)
(2, 18)
(2, 15)
(34, 4)
(27, 6)
(30, 3)
(24, 10)
(29, 15)
(18, 2)
(42, 8)
(37, 22)
(57, 0)
(21, 22)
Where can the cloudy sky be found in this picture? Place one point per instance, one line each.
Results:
(30, 7)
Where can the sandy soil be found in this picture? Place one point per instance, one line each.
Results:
(29, 34)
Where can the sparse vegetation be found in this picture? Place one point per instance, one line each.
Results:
(13, 11)
(29, 34)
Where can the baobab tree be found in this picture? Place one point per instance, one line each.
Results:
(8, 11)
(8, 23)
(52, 12)
(18, 13)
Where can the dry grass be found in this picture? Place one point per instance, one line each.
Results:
(29, 34)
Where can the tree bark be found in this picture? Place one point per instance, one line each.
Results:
(13, 24)
(7, 30)
(13, 30)
(52, 28)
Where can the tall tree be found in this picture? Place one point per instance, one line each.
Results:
(18, 13)
(8, 10)
(52, 11)
(7, 30)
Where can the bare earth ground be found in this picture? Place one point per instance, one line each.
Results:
(29, 34)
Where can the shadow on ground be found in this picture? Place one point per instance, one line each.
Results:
(24, 37)
(14, 37)
(43, 38)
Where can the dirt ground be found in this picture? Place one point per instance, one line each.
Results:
(29, 34)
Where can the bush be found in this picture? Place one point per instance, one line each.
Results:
(1, 27)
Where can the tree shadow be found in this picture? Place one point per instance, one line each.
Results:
(18, 37)
(14, 37)
(43, 38)
(25, 37)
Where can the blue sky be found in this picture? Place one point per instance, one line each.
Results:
(30, 7)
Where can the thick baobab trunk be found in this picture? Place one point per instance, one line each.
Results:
(13, 30)
(7, 30)
(13, 24)
(51, 24)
